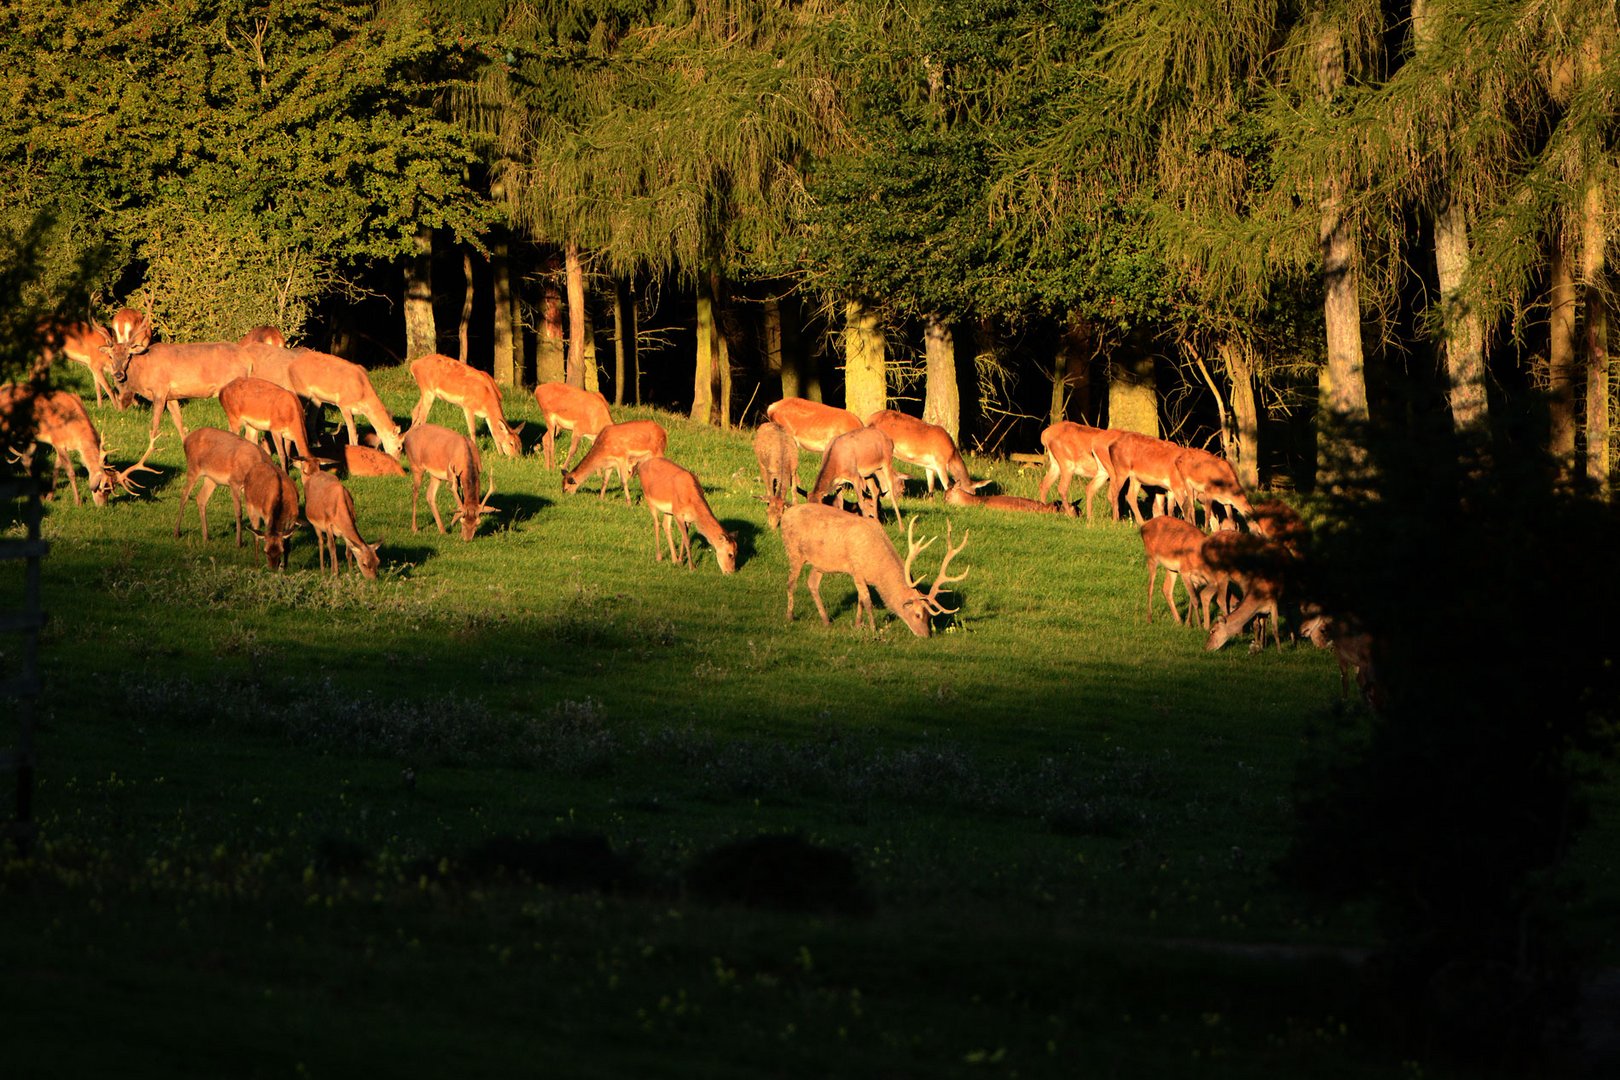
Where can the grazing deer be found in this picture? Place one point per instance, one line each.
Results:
(617, 446)
(256, 405)
(1258, 567)
(812, 424)
(445, 457)
(674, 496)
(167, 374)
(960, 496)
(927, 446)
(853, 457)
(329, 509)
(778, 457)
(88, 343)
(1211, 481)
(1076, 450)
(369, 461)
(439, 376)
(331, 380)
(215, 457)
(582, 413)
(833, 542)
(1177, 547)
(1137, 461)
(1278, 521)
(264, 335)
(57, 418)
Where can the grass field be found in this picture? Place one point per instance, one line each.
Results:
(472, 818)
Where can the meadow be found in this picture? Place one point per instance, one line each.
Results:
(506, 808)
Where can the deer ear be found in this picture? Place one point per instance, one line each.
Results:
(517, 429)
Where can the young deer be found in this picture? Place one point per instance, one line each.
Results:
(1211, 481)
(674, 496)
(445, 457)
(1177, 547)
(57, 419)
(474, 392)
(582, 413)
(617, 447)
(833, 542)
(88, 343)
(167, 374)
(960, 496)
(927, 446)
(329, 509)
(331, 380)
(215, 457)
(853, 457)
(1137, 461)
(259, 406)
(812, 424)
(778, 457)
(1076, 450)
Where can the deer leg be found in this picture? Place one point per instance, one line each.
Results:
(185, 496)
(815, 594)
(1153, 573)
(174, 414)
(1170, 579)
(61, 461)
(416, 490)
(624, 481)
(433, 501)
(863, 602)
(236, 504)
(424, 405)
(686, 541)
(1095, 486)
(205, 493)
(796, 567)
(573, 441)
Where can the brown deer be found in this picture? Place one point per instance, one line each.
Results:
(264, 335)
(88, 343)
(1138, 461)
(674, 496)
(1210, 481)
(57, 419)
(215, 457)
(1177, 547)
(582, 413)
(778, 457)
(132, 335)
(446, 457)
(256, 405)
(812, 424)
(617, 447)
(329, 509)
(1261, 569)
(960, 496)
(1076, 450)
(1353, 647)
(363, 460)
(167, 374)
(1278, 521)
(473, 391)
(927, 446)
(833, 542)
(853, 457)
(331, 380)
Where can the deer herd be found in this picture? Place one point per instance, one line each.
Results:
(1242, 563)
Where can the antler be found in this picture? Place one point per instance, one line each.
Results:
(943, 579)
(913, 549)
(122, 476)
(483, 503)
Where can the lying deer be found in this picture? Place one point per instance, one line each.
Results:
(833, 542)
(57, 419)
(581, 413)
(617, 447)
(1177, 547)
(362, 460)
(927, 446)
(778, 457)
(331, 380)
(471, 390)
(446, 457)
(1076, 450)
(812, 424)
(329, 509)
(960, 496)
(215, 457)
(673, 495)
(259, 406)
(853, 457)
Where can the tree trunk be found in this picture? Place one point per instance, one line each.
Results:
(1561, 363)
(865, 365)
(776, 361)
(1133, 396)
(506, 366)
(1071, 371)
(708, 348)
(588, 359)
(421, 336)
(722, 354)
(466, 306)
(575, 273)
(549, 363)
(1599, 433)
(942, 398)
(624, 340)
(1244, 447)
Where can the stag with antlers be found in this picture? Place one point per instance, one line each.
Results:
(57, 419)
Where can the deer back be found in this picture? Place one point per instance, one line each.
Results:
(864, 452)
(812, 424)
(583, 411)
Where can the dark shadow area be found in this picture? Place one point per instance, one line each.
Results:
(784, 873)
(748, 535)
(514, 508)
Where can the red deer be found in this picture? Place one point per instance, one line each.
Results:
(445, 457)
(927, 446)
(778, 457)
(582, 413)
(474, 392)
(264, 335)
(215, 457)
(329, 509)
(1258, 567)
(1137, 461)
(255, 405)
(833, 542)
(369, 461)
(57, 418)
(1280, 522)
(853, 457)
(88, 343)
(617, 447)
(674, 496)
(1076, 450)
(1352, 647)
(1177, 547)
(812, 424)
(959, 496)
(1211, 481)
(167, 374)
(331, 380)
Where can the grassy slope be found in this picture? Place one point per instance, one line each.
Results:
(249, 782)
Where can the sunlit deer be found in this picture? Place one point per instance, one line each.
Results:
(167, 374)
(927, 446)
(329, 509)
(778, 457)
(830, 541)
(447, 457)
(88, 343)
(1076, 450)
(853, 457)
(364, 460)
(617, 447)
(57, 419)
(1257, 566)
(215, 457)
(473, 391)
(1211, 481)
(132, 335)
(264, 335)
(674, 497)
(1176, 546)
(960, 496)
(582, 413)
(256, 405)
(331, 380)
(1138, 461)
(812, 424)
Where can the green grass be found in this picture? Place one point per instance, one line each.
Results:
(267, 801)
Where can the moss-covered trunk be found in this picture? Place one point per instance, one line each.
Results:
(865, 361)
